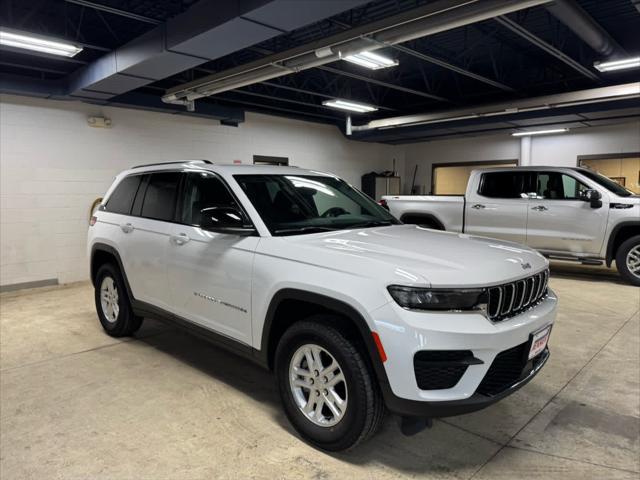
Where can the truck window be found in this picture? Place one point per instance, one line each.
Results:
(559, 186)
(503, 184)
(122, 197)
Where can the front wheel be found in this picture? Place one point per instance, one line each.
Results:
(326, 387)
(628, 260)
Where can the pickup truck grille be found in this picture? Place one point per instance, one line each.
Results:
(510, 299)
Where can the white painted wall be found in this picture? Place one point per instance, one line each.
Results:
(555, 150)
(53, 165)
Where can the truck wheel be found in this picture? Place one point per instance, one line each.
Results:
(326, 387)
(628, 260)
(112, 303)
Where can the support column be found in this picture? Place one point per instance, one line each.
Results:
(525, 150)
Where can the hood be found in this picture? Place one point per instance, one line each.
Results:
(412, 255)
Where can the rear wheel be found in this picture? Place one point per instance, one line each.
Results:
(112, 303)
(327, 389)
(628, 260)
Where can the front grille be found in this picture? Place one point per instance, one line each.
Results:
(510, 299)
(507, 369)
(439, 369)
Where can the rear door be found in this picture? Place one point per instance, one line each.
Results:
(498, 206)
(210, 274)
(149, 230)
(559, 220)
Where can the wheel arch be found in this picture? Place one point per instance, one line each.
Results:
(304, 304)
(102, 253)
(619, 234)
(429, 218)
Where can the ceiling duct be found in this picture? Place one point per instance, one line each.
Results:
(428, 20)
(210, 29)
(585, 27)
(569, 99)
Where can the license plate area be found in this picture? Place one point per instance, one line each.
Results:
(539, 341)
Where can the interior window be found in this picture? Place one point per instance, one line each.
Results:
(122, 197)
(160, 198)
(559, 186)
(203, 191)
(503, 184)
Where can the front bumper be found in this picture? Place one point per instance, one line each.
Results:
(404, 333)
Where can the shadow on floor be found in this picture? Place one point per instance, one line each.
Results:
(592, 273)
(440, 449)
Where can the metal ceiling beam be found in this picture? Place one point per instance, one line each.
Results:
(454, 68)
(115, 11)
(550, 49)
(426, 20)
(383, 84)
(547, 102)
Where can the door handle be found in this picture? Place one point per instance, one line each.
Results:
(126, 227)
(539, 208)
(180, 239)
(478, 206)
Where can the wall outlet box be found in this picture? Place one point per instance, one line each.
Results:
(99, 122)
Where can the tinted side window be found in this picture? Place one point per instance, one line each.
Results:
(503, 184)
(122, 197)
(202, 191)
(160, 198)
(559, 186)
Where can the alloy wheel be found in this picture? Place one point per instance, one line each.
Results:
(109, 299)
(633, 261)
(318, 385)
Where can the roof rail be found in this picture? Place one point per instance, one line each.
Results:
(169, 163)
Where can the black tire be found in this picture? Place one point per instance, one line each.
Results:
(621, 260)
(126, 322)
(365, 408)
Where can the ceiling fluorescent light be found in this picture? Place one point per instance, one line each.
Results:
(349, 106)
(617, 64)
(540, 132)
(371, 60)
(38, 43)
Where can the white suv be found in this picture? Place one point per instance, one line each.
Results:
(303, 274)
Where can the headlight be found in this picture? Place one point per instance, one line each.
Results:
(438, 299)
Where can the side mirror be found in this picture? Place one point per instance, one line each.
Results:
(593, 197)
(229, 220)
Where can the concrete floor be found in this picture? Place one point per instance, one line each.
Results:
(77, 404)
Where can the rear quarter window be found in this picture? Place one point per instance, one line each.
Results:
(121, 199)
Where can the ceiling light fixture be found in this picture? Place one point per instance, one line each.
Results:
(633, 62)
(540, 132)
(371, 60)
(38, 43)
(349, 106)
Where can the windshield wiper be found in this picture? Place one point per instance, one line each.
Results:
(371, 223)
(294, 231)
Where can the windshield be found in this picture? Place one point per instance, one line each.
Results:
(298, 204)
(606, 182)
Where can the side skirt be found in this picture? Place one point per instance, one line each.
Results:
(147, 310)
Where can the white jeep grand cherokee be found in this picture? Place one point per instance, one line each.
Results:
(303, 274)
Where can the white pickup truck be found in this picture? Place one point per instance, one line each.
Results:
(565, 213)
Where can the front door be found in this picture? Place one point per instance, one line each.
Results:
(559, 220)
(209, 273)
(498, 209)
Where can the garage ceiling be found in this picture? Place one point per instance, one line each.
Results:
(167, 43)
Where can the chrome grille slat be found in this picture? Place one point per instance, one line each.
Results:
(510, 299)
